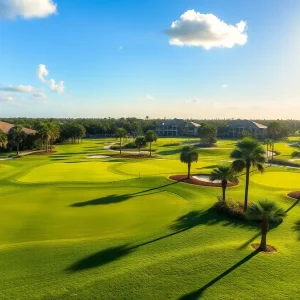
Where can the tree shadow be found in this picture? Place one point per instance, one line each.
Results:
(113, 199)
(209, 217)
(198, 293)
(296, 228)
(293, 205)
(100, 258)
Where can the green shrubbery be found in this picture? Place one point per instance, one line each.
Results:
(171, 144)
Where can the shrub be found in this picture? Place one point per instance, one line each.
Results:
(296, 154)
(286, 163)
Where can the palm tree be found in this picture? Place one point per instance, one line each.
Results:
(45, 134)
(3, 139)
(121, 133)
(17, 135)
(224, 174)
(249, 153)
(140, 142)
(188, 156)
(151, 137)
(265, 211)
(268, 142)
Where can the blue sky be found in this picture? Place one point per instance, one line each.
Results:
(116, 58)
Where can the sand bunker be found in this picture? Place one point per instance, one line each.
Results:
(98, 156)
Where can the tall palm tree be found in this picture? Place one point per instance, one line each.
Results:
(151, 137)
(265, 211)
(3, 139)
(45, 133)
(224, 174)
(188, 156)
(17, 135)
(121, 133)
(249, 153)
(268, 142)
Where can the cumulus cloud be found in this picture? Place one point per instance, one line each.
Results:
(149, 97)
(27, 9)
(224, 86)
(42, 72)
(206, 30)
(18, 88)
(56, 87)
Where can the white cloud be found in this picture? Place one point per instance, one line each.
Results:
(42, 72)
(18, 88)
(7, 98)
(149, 97)
(27, 9)
(39, 95)
(206, 30)
(56, 87)
(194, 100)
(224, 86)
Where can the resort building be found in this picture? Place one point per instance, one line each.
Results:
(177, 127)
(6, 127)
(236, 127)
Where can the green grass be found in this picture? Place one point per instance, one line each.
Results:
(79, 228)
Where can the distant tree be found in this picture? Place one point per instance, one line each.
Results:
(277, 130)
(151, 137)
(3, 139)
(269, 144)
(249, 153)
(140, 142)
(18, 135)
(265, 211)
(225, 174)
(245, 133)
(188, 156)
(121, 133)
(207, 133)
(44, 134)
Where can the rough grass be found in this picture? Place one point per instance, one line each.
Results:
(76, 228)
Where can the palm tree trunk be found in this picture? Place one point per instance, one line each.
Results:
(267, 151)
(18, 146)
(224, 185)
(120, 145)
(150, 148)
(247, 187)
(189, 171)
(264, 231)
(272, 151)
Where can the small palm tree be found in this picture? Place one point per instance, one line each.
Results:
(140, 142)
(265, 211)
(224, 174)
(17, 135)
(268, 142)
(188, 156)
(121, 133)
(151, 137)
(249, 153)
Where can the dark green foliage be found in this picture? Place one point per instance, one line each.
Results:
(188, 156)
(140, 142)
(207, 133)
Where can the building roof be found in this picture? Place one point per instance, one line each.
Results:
(194, 124)
(6, 127)
(246, 123)
(171, 122)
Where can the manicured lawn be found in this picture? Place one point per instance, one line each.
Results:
(78, 228)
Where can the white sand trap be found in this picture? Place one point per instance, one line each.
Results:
(205, 178)
(98, 156)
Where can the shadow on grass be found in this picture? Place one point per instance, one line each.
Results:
(112, 199)
(183, 223)
(100, 258)
(293, 205)
(198, 293)
(296, 228)
(170, 152)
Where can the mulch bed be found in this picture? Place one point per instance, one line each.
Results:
(295, 195)
(270, 249)
(182, 178)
